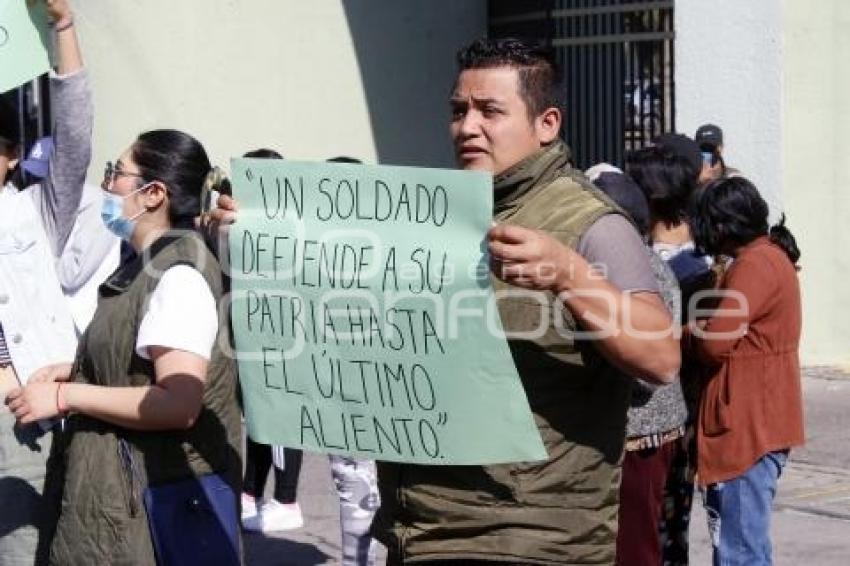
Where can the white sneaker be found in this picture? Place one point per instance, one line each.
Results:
(276, 516)
(249, 507)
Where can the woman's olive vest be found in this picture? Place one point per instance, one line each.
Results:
(101, 516)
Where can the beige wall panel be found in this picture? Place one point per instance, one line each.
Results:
(817, 169)
(311, 79)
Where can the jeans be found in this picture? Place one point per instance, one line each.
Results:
(739, 513)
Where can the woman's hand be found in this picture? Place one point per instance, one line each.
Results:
(51, 373)
(59, 11)
(35, 402)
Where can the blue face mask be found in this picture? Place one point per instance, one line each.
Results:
(112, 214)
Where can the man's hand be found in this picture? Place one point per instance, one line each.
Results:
(216, 224)
(34, 402)
(529, 258)
(224, 213)
(51, 373)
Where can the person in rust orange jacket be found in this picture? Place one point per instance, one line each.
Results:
(751, 407)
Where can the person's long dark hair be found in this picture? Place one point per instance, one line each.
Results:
(730, 213)
(180, 162)
(667, 180)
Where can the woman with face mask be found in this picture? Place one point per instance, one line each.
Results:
(151, 398)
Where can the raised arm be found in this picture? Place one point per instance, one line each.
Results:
(58, 195)
(89, 245)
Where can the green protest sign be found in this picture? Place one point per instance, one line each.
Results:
(363, 315)
(23, 42)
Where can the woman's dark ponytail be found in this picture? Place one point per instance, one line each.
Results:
(782, 237)
(180, 162)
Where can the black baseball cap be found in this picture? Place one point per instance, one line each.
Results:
(709, 135)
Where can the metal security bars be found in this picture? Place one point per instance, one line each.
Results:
(617, 57)
(31, 103)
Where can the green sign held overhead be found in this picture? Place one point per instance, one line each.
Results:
(23, 42)
(363, 315)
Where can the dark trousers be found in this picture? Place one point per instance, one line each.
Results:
(641, 499)
(678, 498)
(258, 463)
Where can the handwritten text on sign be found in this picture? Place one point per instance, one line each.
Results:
(363, 316)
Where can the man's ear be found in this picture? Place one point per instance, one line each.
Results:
(548, 125)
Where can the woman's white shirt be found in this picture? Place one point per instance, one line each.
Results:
(181, 314)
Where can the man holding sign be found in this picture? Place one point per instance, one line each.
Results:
(560, 238)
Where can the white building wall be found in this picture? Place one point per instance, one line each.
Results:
(310, 79)
(729, 72)
(816, 130)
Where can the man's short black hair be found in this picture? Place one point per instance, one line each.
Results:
(539, 74)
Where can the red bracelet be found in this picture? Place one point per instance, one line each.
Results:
(59, 405)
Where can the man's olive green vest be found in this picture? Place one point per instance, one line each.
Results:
(559, 511)
(101, 516)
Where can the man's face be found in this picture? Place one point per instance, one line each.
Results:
(490, 126)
